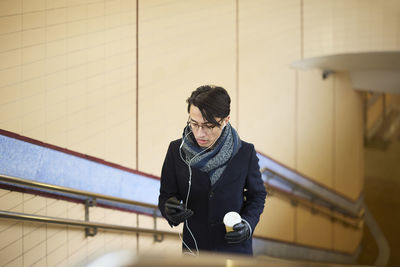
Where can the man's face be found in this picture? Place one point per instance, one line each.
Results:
(204, 132)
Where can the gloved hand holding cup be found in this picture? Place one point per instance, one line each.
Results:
(230, 219)
(237, 229)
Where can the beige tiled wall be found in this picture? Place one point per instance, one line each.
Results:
(341, 26)
(182, 45)
(67, 74)
(282, 220)
(39, 244)
(315, 127)
(348, 145)
(267, 96)
(280, 227)
(320, 226)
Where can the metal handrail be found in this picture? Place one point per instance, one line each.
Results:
(314, 194)
(79, 223)
(15, 180)
(314, 207)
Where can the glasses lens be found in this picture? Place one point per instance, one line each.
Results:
(205, 127)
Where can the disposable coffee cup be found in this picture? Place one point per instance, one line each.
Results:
(230, 219)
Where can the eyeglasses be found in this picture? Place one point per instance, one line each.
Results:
(207, 127)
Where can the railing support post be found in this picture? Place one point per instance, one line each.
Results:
(157, 238)
(89, 231)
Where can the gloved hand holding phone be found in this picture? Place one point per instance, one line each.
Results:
(175, 211)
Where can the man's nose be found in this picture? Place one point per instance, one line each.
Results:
(201, 131)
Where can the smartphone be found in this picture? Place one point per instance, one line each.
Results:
(174, 206)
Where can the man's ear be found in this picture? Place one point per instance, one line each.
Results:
(227, 120)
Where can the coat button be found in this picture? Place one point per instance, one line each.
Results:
(211, 194)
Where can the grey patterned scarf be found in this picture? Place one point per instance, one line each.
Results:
(213, 160)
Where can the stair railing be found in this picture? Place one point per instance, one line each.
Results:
(90, 201)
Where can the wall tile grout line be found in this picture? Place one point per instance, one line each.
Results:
(69, 67)
(334, 132)
(40, 259)
(296, 123)
(45, 9)
(9, 244)
(10, 226)
(137, 234)
(137, 85)
(13, 207)
(3, 192)
(11, 260)
(67, 39)
(23, 206)
(39, 225)
(105, 30)
(11, 15)
(58, 227)
(237, 67)
(68, 239)
(1, 248)
(68, 83)
(32, 248)
(78, 248)
(54, 249)
(301, 29)
(27, 197)
(45, 87)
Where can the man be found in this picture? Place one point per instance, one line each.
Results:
(208, 173)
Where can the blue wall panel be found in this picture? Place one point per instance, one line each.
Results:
(29, 161)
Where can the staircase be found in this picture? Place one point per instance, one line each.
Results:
(382, 120)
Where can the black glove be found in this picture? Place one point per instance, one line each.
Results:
(241, 232)
(176, 212)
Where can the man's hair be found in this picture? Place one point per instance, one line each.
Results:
(212, 101)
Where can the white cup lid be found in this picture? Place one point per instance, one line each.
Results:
(232, 218)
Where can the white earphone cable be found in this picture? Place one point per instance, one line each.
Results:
(189, 188)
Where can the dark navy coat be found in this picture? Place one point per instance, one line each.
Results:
(240, 189)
